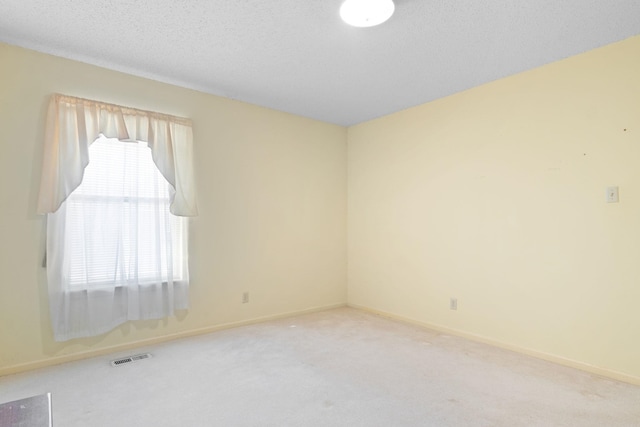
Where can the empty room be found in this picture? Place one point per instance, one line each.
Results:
(320, 213)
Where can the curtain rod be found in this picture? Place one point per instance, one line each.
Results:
(124, 109)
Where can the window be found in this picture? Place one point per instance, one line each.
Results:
(118, 225)
(115, 250)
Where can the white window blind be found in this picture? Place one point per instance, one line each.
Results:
(119, 228)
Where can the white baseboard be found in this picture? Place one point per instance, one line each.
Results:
(603, 372)
(56, 360)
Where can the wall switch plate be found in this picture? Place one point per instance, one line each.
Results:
(612, 195)
(245, 297)
(453, 303)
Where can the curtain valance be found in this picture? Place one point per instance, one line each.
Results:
(74, 123)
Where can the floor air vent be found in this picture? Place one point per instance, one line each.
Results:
(130, 359)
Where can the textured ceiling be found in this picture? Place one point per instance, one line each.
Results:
(298, 56)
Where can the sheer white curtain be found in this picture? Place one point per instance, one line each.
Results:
(114, 251)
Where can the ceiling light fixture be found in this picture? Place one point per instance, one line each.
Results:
(366, 13)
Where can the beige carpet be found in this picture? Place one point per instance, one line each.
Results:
(340, 367)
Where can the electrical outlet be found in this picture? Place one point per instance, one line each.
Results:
(245, 297)
(453, 303)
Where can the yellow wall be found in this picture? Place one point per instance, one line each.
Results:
(496, 196)
(272, 199)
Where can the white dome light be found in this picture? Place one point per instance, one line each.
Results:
(366, 13)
